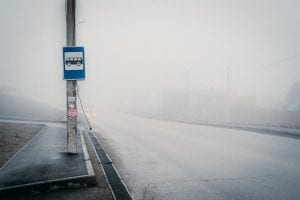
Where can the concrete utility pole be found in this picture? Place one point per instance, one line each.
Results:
(187, 94)
(228, 112)
(228, 80)
(71, 84)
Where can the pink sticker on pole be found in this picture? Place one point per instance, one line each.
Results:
(72, 112)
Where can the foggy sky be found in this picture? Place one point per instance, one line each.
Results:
(140, 47)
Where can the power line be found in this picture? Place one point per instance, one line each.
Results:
(83, 110)
(269, 65)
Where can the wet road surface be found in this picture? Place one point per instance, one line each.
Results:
(170, 160)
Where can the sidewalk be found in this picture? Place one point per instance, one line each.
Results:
(271, 130)
(44, 166)
(279, 131)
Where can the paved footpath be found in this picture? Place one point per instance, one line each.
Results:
(43, 165)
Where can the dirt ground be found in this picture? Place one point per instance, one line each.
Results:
(13, 136)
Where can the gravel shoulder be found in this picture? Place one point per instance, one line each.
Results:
(13, 136)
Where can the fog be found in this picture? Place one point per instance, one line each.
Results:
(190, 99)
(138, 51)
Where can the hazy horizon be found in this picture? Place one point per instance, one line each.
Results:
(145, 48)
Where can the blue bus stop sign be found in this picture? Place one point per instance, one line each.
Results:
(74, 66)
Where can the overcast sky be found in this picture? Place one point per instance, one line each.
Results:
(147, 47)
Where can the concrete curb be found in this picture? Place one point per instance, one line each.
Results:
(116, 184)
(282, 132)
(49, 186)
(263, 130)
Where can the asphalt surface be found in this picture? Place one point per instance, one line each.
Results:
(170, 160)
(44, 158)
(43, 165)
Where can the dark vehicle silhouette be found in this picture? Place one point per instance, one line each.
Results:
(74, 61)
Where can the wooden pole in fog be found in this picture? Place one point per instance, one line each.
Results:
(71, 84)
(228, 80)
(228, 112)
(187, 94)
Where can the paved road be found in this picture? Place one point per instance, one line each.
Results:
(169, 160)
